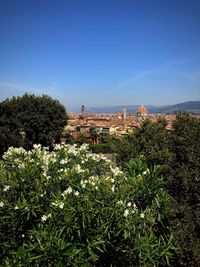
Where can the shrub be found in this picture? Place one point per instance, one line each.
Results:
(70, 207)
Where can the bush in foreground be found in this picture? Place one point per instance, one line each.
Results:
(70, 207)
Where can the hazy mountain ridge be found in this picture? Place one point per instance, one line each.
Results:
(189, 106)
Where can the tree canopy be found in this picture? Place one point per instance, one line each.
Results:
(31, 119)
(152, 141)
(178, 154)
(185, 188)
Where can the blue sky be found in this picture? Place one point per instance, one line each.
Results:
(101, 52)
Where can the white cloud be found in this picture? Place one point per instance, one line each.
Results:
(165, 69)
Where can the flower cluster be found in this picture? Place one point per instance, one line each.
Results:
(129, 208)
(64, 193)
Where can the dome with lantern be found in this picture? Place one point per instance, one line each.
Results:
(142, 111)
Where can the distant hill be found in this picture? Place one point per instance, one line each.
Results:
(190, 106)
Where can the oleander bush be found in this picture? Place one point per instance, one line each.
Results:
(70, 207)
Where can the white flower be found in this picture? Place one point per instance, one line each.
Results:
(63, 161)
(61, 205)
(6, 188)
(45, 175)
(116, 171)
(23, 235)
(66, 170)
(82, 183)
(96, 187)
(21, 165)
(126, 213)
(44, 218)
(68, 190)
(76, 193)
(142, 215)
(78, 169)
(83, 147)
(53, 159)
(16, 207)
(1, 204)
(112, 180)
(73, 150)
(120, 202)
(134, 208)
(58, 147)
(36, 146)
(144, 172)
(129, 204)
(93, 178)
(113, 188)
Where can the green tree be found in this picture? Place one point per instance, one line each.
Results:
(178, 154)
(152, 141)
(38, 119)
(185, 188)
(10, 126)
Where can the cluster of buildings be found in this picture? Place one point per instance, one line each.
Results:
(118, 124)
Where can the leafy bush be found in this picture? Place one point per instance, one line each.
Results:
(70, 207)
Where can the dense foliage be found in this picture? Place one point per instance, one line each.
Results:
(10, 130)
(30, 119)
(152, 141)
(185, 188)
(178, 154)
(70, 207)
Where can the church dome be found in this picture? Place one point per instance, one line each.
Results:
(142, 111)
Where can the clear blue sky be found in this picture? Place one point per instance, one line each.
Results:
(101, 52)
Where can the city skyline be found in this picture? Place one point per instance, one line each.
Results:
(101, 53)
